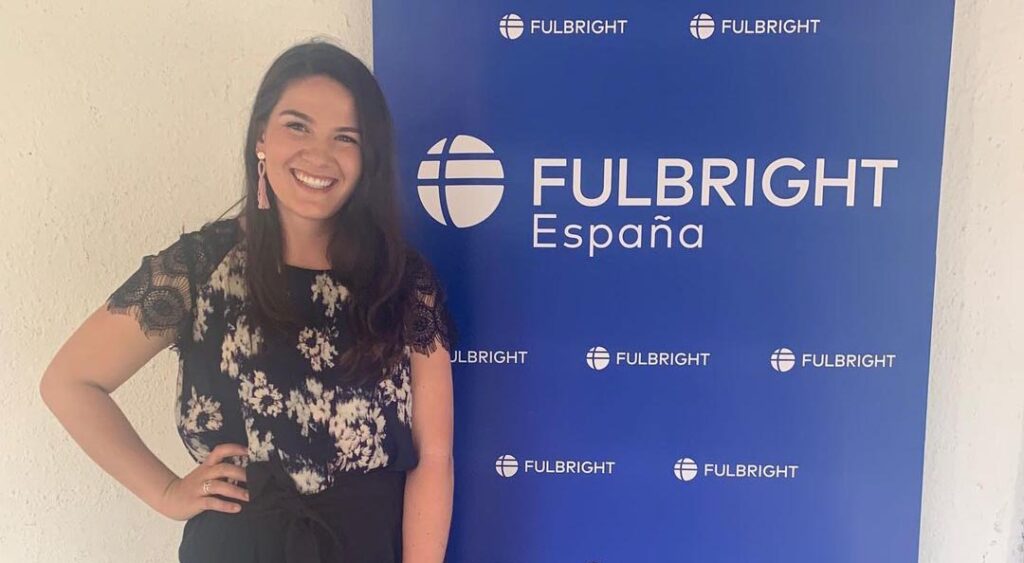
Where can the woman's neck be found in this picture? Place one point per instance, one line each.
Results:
(304, 242)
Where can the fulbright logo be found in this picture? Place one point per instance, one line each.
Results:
(460, 183)
(512, 26)
(703, 26)
(508, 466)
(783, 360)
(599, 358)
(686, 469)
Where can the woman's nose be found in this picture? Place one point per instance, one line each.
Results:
(317, 153)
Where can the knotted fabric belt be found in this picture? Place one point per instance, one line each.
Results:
(272, 492)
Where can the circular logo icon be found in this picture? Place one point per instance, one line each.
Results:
(702, 26)
(460, 183)
(783, 360)
(598, 358)
(685, 469)
(506, 466)
(511, 26)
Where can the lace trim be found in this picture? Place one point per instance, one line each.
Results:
(160, 294)
(430, 322)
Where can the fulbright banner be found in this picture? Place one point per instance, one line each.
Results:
(690, 250)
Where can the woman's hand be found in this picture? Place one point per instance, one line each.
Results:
(184, 497)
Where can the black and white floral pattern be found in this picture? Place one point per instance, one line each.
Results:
(310, 406)
(261, 396)
(259, 447)
(331, 294)
(307, 476)
(281, 394)
(240, 343)
(317, 346)
(358, 428)
(396, 391)
(203, 414)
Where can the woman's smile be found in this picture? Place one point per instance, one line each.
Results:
(310, 181)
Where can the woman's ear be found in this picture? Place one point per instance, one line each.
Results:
(259, 141)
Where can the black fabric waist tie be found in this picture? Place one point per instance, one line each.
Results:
(272, 492)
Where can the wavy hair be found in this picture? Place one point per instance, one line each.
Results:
(367, 250)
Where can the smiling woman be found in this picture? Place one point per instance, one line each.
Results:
(304, 325)
(311, 146)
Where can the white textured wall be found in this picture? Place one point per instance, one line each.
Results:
(122, 124)
(973, 507)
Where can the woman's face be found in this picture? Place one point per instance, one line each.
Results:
(312, 146)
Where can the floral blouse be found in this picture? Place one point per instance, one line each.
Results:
(280, 395)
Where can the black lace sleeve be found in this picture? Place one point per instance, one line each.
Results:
(159, 293)
(429, 322)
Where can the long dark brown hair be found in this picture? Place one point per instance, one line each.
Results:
(367, 250)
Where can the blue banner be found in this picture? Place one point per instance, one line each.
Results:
(690, 252)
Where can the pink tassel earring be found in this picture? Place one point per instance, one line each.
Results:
(262, 202)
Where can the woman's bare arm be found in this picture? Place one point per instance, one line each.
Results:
(104, 352)
(429, 487)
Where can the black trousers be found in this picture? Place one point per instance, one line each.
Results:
(357, 520)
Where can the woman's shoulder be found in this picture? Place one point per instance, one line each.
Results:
(205, 241)
(420, 276)
(218, 233)
(209, 244)
(159, 292)
(429, 321)
(185, 263)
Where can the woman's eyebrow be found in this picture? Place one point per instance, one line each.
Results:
(301, 115)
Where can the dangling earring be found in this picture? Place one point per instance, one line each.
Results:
(262, 202)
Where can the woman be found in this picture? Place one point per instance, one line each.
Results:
(304, 327)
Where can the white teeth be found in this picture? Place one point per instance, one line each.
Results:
(311, 181)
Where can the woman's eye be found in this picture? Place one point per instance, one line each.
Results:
(347, 139)
(298, 126)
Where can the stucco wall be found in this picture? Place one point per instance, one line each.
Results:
(121, 124)
(973, 506)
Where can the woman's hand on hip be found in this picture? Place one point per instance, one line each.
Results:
(185, 497)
